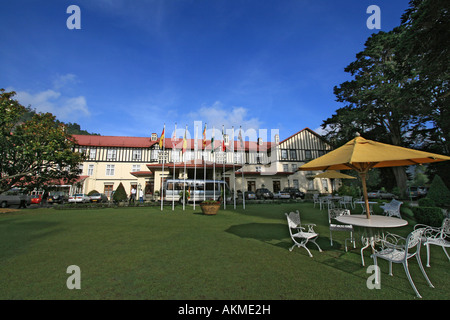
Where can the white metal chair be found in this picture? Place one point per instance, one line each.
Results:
(392, 209)
(332, 215)
(346, 200)
(436, 236)
(299, 234)
(395, 252)
(316, 199)
(324, 202)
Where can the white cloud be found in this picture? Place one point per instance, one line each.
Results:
(64, 107)
(218, 115)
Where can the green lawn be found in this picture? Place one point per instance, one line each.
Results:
(143, 253)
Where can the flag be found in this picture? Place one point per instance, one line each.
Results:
(161, 140)
(223, 140)
(212, 142)
(183, 150)
(204, 137)
(240, 137)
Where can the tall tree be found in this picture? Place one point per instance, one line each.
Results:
(426, 43)
(36, 152)
(376, 100)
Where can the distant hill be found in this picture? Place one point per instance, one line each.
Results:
(72, 128)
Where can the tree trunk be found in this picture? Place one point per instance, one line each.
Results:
(400, 178)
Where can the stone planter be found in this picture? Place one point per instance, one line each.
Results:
(210, 208)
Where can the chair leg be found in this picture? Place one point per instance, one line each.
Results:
(446, 253)
(428, 255)
(405, 266)
(314, 241)
(419, 261)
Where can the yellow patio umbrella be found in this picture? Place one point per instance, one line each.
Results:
(362, 155)
(333, 174)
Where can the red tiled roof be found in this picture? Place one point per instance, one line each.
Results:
(113, 141)
(138, 174)
(190, 164)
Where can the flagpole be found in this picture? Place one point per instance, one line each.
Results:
(174, 149)
(184, 175)
(195, 162)
(214, 163)
(234, 175)
(223, 174)
(162, 173)
(243, 156)
(204, 160)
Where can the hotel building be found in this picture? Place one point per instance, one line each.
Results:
(139, 162)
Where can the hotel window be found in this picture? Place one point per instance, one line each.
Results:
(92, 154)
(258, 169)
(284, 154)
(285, 167)
(137, 154)
(110, 169)
(293, 154)
(111, 155)
(308, 154)
(90, 170)
(294, 167)
(296, 184)
(136, 168)
(154, 155)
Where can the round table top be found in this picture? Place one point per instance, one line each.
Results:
(374, 221)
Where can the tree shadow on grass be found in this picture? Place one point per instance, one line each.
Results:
(271, 233)
(16, 235)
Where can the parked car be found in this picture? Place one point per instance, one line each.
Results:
(295, 193)
(250, 195)
(98, 197)
(263, 193)
(381, 195)
(36, 198)
(14, 197)
(281, 195)
(79, 197)
(57, 197)
(417, 192)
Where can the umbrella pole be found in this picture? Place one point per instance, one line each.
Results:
(366, 198)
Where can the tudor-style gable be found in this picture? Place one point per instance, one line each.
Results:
(302, 146)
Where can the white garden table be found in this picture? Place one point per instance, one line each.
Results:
(371, 228)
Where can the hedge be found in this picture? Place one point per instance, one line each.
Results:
(430, 216)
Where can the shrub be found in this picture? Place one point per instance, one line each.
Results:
(426, 202)
(431, 216)
(120, 194)
(439, 192)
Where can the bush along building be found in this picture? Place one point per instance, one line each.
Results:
(143, 163)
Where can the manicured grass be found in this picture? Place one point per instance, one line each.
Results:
(143, 253)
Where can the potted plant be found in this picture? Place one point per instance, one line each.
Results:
(210, 207)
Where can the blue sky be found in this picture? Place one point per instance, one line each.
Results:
(135, 65)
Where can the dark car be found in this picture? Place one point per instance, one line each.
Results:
(98, 197)
(295, 193)
(57, 197)
(14, 197)
(263, 193)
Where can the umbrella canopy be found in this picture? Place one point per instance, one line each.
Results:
(362, 155)
(332, 174)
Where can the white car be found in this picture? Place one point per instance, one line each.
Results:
(281, 195)
(79, 197)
